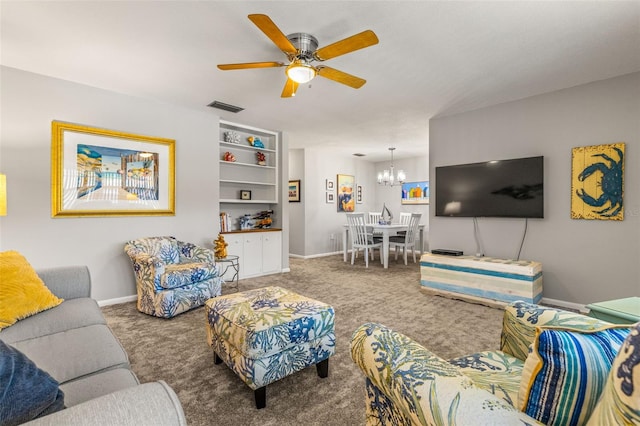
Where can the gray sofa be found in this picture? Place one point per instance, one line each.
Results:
(73, 343)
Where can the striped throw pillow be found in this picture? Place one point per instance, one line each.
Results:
(566, 371)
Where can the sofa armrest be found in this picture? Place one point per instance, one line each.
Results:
(407, 384)
(521, 319)
(148, 404)
(67, 282)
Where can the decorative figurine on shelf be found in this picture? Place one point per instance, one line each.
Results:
(262, 159)
(229, 157)
(255, 142)
(220, 247)
(231, 137)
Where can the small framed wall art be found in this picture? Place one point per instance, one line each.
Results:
(294, 191)
(330, 197)
(245, 195)
(329, 185)
(359, 194)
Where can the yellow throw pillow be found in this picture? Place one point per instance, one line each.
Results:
(22, 292)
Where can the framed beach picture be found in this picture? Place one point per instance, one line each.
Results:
(346, 199)
(294, 191)
(100, 172)
(415, 192)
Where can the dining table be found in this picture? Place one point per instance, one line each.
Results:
(385, 230)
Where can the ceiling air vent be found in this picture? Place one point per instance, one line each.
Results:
(359, 154)
(226, 107)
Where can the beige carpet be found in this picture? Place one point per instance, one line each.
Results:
(176, 351)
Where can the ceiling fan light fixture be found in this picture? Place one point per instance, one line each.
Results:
(300, 72)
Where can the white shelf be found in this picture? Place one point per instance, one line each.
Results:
(247, 147)
(236, 201)
(237, 163)
(246, 182)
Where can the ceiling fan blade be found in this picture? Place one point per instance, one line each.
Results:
(341, 77)
(289, 89)
(272, 31)
(248, 65)
(355, 42)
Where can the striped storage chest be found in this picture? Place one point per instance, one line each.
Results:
(481, 279)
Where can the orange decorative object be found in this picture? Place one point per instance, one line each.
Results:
(229, 157)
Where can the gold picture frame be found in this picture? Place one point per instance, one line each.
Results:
(100, 172)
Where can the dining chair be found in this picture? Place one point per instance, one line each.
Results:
(374, 219)
(408, 240)
(362, 238)
(404, 220)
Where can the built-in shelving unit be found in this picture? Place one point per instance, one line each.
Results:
(245, 174)
(259, 250)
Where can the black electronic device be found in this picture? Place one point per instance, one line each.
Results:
(504, 188)
(447, 252)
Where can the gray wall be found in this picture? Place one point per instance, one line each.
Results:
(29, 103)
(583, 260)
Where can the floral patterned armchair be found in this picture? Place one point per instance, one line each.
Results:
(172, 276)
(405, 384)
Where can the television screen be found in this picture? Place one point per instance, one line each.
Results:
(504, 188)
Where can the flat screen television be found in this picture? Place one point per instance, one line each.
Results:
(503, 188)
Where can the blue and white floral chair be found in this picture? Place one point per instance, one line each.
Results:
(554, 367)
(172, 276)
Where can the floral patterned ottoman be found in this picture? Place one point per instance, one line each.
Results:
(266, 334)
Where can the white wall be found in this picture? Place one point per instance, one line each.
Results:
(416, 169)
(583, 260)
(29, 103)
(296, 210)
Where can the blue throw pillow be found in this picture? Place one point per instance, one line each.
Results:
(566, 371)
(26, 392)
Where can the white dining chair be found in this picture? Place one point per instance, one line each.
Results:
(408, 240)
(362, 238)
(374, 218)
(404, 220)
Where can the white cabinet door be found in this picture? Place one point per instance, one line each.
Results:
(271, 252)
(252, 258)
(235, 247)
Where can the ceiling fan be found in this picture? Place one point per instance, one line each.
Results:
(302, 50)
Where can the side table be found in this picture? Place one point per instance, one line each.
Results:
(230, 263)
(620, 311)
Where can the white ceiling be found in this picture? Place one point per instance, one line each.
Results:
(434, 58)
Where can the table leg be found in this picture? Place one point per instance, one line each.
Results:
(385, 247)
(421, 241)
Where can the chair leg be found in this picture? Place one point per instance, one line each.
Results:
(404, 254)
(353, 251)
(366, 257)
(323, 368)
(260, 395)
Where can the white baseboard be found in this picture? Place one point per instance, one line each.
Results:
(563, 304)
(117, 300)
(297, 256)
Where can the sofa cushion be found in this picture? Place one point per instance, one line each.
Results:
(75, 353)
(73, 313)
(22, 292)
(26, 391)
(182, 274)
(620, 400)
(565, 372)
(95, 385)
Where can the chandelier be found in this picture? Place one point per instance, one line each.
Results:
(388, 177)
